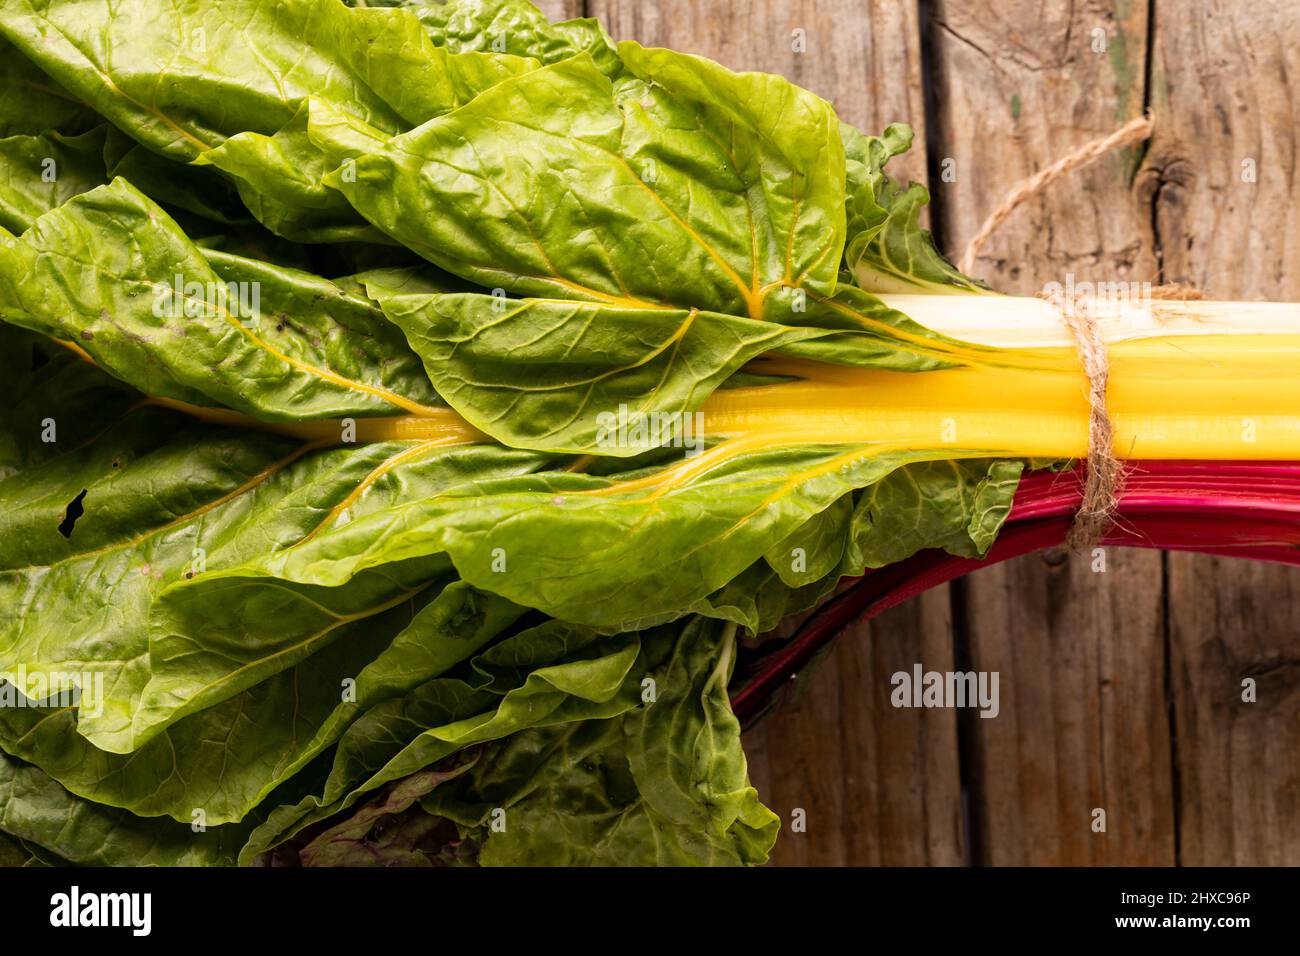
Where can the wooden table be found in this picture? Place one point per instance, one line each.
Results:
(1121, 690)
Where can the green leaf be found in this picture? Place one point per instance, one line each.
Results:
(226, 758)
(655, 192)
(193, 189)
(512, 26)
(549, 675)
(815, 548)
(685, 534)
(379, 65)
(39, 173)
(162, 498)
(887, 250)
(44, 383)
(15, 852)
(560, 375)
(279, 181)
(663, 784)
(111, 55)
(281, 177)
(33, 103)
(110, 271)
(955, 505)
(400, 829)
(35, 809)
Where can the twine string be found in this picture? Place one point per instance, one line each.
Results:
(1104, 472)
(1133, 131)
(1104, 476)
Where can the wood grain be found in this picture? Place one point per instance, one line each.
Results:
(1238, 774)
(560, 9)
(877, 785)
(1017, 85)
(1083, 723)
(1226, 93)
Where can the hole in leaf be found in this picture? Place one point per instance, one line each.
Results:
(75, 511)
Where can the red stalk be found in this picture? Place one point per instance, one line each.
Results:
(1239, 509)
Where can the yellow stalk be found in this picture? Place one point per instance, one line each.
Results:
(1205, 380)
(1188, 379)
(1186, 401)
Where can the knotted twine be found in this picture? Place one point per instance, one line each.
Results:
(1104, 473)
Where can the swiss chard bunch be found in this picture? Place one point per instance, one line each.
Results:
(408, 409)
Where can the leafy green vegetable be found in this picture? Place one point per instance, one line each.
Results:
(665, 783)
(333, 530)
(44, 171)
(638, 204)
(59, 827)
(391, 830)
(887, 250)
(35, 103)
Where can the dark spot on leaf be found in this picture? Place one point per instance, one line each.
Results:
(87, 335)
(74, 511)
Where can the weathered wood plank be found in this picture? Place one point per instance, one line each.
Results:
(1239, 776)
(877, 785)
(1018, 84)
(1227, 107)
(1083, 723)
(560, 9)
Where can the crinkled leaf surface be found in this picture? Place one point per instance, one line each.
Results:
(228, 757)
(112, 272)
(34, 808)
(222, 106)
(665, 783)
(887, 250)
(955, 505)
(34, 103)
(550, 675)
(554, 374)
(658, 193)
(686, 534)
